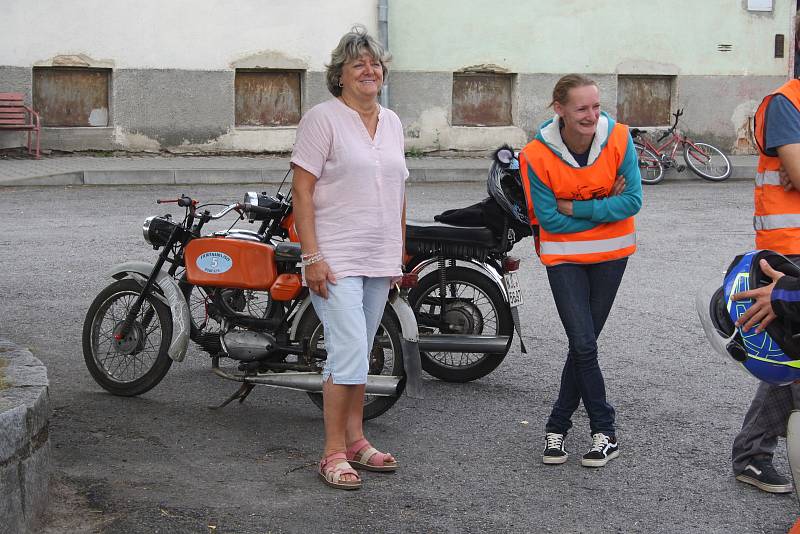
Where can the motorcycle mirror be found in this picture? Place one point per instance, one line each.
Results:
(505, 156)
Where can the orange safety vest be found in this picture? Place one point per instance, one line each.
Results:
(777, 212)
(604, 242)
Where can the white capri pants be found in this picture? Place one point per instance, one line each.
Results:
(350, 318)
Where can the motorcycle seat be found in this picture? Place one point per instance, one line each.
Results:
(472, 235)
(288, 251)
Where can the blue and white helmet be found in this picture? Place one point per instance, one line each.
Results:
(772, 355)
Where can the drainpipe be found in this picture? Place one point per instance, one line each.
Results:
(383, 37)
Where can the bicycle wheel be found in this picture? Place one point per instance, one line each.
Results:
(649, 165)
(707, 161)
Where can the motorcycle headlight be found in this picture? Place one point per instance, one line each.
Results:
(157, 230)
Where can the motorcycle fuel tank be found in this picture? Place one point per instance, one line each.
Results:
(222, 262)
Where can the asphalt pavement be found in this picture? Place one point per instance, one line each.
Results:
(469, 453)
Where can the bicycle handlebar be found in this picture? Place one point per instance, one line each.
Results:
(671, 129)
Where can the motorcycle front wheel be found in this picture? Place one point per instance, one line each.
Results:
(136, 363)
(474, 305)
(385, 358)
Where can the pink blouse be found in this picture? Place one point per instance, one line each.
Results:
(358, 197)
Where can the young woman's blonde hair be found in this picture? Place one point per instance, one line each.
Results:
(570, 81)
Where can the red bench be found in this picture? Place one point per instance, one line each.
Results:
(15, 115)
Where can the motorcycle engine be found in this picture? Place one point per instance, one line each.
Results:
(246, 345)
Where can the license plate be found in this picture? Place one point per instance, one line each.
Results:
(514, 291)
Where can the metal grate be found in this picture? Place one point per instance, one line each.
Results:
(779, 45)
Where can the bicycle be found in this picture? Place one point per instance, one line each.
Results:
(705, 160)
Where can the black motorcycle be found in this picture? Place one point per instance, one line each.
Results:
(467, 297)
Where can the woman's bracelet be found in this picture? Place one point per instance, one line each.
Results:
(310, 259)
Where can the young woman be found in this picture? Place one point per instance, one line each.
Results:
(582, 184)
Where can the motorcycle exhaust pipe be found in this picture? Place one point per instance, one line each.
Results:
(380, 385)
(463, 343)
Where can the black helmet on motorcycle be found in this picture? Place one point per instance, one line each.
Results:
(772, 355)
(505, 185)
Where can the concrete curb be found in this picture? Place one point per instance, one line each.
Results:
(417, 174)
(25, 459)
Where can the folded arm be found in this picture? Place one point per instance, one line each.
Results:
(617, 207)
(546, 208)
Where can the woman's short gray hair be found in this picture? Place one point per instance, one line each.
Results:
(350, 47)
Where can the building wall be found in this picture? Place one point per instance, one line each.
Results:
(718, 86)
(173, 63)
(558, 36)
(179, 34)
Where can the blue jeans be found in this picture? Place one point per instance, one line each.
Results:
(584, 295)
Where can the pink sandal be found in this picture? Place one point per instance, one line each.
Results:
(331, 473)
(370, 459)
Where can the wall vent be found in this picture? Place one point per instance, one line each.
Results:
(779, 42)
(724, 47)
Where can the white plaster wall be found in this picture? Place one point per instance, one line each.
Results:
(178, 34)
(608, 36)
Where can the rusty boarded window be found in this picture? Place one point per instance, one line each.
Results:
(644, 100)
(66, 96)
(267, 97)
(482, 99)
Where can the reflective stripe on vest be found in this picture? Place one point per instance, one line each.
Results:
(776, 222)
(768, 178)
(565, 248)
(603, 242)
(777, 211)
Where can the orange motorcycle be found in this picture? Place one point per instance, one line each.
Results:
(239, 295)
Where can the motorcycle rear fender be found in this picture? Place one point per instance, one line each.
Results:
(485, 268)
(494, 276)
(412, 361)
(170, 295)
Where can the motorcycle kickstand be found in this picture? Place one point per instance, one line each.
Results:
(240, 394)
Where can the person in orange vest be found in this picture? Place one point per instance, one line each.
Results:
(582, 184)
(777, 224)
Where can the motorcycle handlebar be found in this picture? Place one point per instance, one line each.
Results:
(183, 201)
(257, 213)
(252, 211)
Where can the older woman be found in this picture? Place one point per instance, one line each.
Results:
(583, 185)
(348, 192)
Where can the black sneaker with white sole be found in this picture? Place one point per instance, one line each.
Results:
(554, 452)
(604, 449)
(761, 474)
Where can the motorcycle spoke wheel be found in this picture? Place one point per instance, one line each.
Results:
(474, 305)
(137, 362)
(204, 328)
(258, 303)
(385, 358)
(199, 301)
